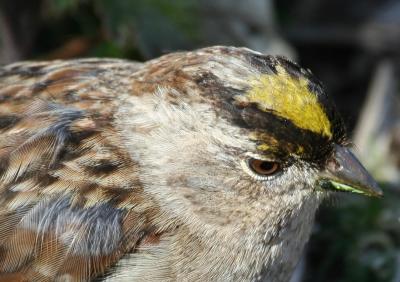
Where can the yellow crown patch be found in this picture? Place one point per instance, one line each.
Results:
(289, 98)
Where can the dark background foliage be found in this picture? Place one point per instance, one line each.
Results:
(352, 46)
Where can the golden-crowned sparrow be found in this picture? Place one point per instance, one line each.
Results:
(196, 166)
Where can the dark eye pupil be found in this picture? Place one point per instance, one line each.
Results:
(264, 167)
(267, 166)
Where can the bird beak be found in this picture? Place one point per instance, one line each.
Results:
(344, 172)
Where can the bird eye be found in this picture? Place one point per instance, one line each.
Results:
(264, 168)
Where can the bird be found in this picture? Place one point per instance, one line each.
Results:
(204, 165)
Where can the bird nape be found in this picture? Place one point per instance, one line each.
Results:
(196, 166)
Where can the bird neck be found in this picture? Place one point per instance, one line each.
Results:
(190, 251)
(269, 251)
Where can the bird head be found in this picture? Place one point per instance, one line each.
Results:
(233, 135)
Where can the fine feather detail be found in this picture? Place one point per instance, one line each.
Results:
(122, 171)
(65, 194)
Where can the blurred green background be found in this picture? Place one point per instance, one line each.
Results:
(352, 46)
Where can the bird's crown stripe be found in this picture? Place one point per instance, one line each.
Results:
(289, 98)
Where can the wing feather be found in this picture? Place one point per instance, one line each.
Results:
(71, 203)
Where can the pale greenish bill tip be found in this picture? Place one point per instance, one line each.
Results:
(337, 186)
